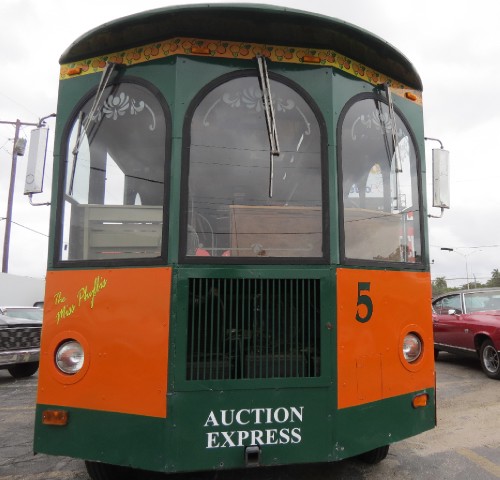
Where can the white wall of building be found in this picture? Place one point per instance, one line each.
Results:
(20, 291)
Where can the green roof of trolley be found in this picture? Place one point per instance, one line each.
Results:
(246, 23)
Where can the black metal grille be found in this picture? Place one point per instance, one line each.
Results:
(15, 338)
(253, 328)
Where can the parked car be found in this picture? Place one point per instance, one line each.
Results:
(467, 322)
(20, 329)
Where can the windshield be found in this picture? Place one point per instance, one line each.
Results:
(25, 313)
(482, 301)
(380, 194)
(115, 168)
(243, 201)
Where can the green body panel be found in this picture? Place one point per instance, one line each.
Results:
(369, 426)
(105, 436)
(192, 439)
(304, 438)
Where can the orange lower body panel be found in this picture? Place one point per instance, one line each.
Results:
(121, 317)
(375, 311)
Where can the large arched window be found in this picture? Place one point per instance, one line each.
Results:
(379, 184)
(115, 176)
(242, 201)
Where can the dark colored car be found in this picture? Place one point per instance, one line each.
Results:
(20, 329)
(467, 322)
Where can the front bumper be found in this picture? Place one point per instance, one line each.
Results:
(15, 357)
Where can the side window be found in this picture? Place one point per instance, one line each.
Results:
(438, 307)
(453, 302)
(242, 201)
(114, 178)
(379, 185)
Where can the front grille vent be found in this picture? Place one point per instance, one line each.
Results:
(253, 329)
(15, 338)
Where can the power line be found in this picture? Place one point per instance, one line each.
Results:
(461, 278)
(30, 229)
(24, 226)
(475, 246)
(3, 146)
(17, 103)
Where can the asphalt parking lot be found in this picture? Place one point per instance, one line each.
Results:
(464, 446)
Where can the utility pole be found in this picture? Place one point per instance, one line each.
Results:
(8, 218)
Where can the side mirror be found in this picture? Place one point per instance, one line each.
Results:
(35, 170)
(440, 178)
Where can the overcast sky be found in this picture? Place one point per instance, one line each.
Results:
(453, 45)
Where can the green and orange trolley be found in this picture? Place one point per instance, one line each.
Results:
(238, 268)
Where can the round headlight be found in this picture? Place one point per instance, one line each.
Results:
(412, 347)
(70, 357)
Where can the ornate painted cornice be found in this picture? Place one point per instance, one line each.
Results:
(240, 51)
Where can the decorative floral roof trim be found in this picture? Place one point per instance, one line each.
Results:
(238, 50)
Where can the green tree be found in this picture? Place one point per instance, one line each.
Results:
(494, 281)
(439, 286)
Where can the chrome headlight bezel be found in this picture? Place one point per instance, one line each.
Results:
(70, 357)
(412, 347)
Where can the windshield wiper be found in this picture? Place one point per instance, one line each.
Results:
(270, 117)
(75, 152)
(84, 123)
(397, 156)
(398, 167)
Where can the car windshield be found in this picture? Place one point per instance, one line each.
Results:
(482, 301)
(26, 313)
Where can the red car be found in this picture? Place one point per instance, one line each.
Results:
(467, 322)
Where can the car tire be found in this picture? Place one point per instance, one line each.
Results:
(490, 359)
(375, 456)
(436, 354)
(104, 471)
(23, 370)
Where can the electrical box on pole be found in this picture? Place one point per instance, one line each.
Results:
(36, 161)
